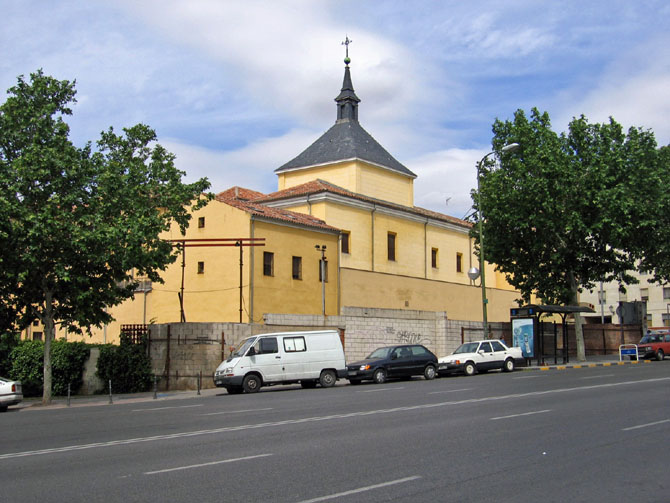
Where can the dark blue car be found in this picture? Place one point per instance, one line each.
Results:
(402, 361)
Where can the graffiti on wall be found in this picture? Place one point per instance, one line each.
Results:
(407, 337)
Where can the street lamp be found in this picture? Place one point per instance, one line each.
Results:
(473, 272)
(322, 249)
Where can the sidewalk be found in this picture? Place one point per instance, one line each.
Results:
(591, 361)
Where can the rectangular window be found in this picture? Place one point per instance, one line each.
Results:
(201, 222)
(325, 269)
(602, 297)
(459, 262)
(345, 241)
(297, 267)
(433, 258)
(666, 292)
(267, 345)
(391, 239)
(294, 344)
(649, 319)
(37, 336)
(666, 319)
(201, 267)
(268, 264)
(36, 323)
(644, 294)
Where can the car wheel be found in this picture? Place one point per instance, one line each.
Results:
(327, 379)
(379, 376)
(308, 384)
(659, 355)
(252, 383)
(3, 408)
(469, 369)
(508, 366)
(354, 381)
(234, 390)
(429, 372)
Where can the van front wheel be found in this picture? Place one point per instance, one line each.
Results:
(252, 383)
(327, 378)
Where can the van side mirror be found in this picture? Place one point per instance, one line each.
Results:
(251, 352)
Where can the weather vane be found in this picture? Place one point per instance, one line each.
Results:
(346, 43)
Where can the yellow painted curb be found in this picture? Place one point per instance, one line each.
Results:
(591, 365)
(544, 368)
(606, 364)
(561, 367)
(576, 366)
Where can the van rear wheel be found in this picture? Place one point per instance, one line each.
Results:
(327, 379)
(252, 383)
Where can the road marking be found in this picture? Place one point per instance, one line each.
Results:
(449, 391)
(303, 420)
(235, 411)
(645, 425)
(362, 489)
(529, 377)
(522, 414)
(200, 465)
(597, 377)
(379, 389)
(164, 408)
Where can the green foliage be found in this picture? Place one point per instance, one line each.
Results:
(8, 342)
(75, 223)
(127, 366)
(68, 366)
(566, 211)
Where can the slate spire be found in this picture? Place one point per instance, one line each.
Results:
(347, 101)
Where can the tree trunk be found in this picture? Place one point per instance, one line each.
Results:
(579, 321)
(49, 329)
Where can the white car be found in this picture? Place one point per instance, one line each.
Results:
(480, 356)
(10, 393)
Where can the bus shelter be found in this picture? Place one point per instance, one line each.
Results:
(528, 331)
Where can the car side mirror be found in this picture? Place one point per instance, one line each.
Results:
(481, 351)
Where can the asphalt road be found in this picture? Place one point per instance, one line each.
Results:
(591, 434)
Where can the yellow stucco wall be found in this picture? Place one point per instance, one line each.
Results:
(461, 302)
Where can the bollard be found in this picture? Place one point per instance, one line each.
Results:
(68, 395)
(199, 381)
(110, 391)
(155, 388)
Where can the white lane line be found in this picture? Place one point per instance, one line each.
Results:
(378, 389)
(597, 377)
(645, 425)
(362, 489)
(164, 408)
(235, 411)
(520, 415)
(207, 464)
(449, 391)
(530, 377)
(348, 415)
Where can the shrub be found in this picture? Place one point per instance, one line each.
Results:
(126, 365)
(7, 343)
(67, 366)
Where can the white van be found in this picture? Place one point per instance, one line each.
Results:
(283, 358)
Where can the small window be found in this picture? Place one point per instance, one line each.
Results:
(325, 269)
(459, 262)
(37, 336)
(649, 319)
(644, 294)
(391, 241)
(666, 292)
(419, 351)
(268, 264)
(666, 319)
(345, 241)
(297, 268)
(497, 346)
(267, 345)
(36, 323)
(201, 268)
(201, 222)
(602, 297)
(433, 258)
(486, 347)
(294, 344)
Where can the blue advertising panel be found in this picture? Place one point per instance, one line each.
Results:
(523, 331)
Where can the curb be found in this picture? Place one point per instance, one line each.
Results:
(582, 365)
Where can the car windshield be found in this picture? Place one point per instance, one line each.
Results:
(246, 344)
(468, 347)
(651, 338)
(378, 353)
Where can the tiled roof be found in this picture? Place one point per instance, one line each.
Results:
(320, 186)
(245, 200)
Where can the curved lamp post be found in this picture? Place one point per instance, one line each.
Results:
(473, 273)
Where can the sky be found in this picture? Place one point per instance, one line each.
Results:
(235, 89)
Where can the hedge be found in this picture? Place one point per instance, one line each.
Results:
(126, 365)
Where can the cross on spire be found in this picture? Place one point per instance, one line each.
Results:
(346, 43)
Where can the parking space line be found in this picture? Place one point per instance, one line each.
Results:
(379, 389)
(235, 411)
(362, 489)
(645, 425)
(200, 465)
(164, 408)
(449, 391)
(520, 415)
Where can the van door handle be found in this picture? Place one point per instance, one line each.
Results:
(278, 357)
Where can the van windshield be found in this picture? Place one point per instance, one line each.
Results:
(246, 344)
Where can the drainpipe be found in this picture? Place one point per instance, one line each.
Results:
(251, 272)
(372, 236)
(339, 254)
(425, 249)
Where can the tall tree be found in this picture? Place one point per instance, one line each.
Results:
(567, 211)
(77, 226)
